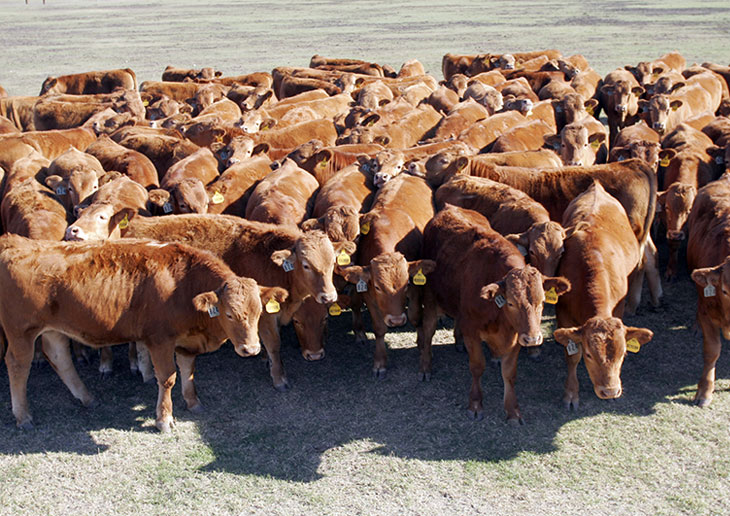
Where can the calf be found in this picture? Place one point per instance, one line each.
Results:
(90, 82)
(500, 304)
(589, 317)
(193, 302)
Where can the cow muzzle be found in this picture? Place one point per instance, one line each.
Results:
(393, 321)
(248, 349)
(675, 235)
(74, 234)
(313, 356)
(380, 179)
(608, 393)
(527, 342)
(659, 127)
(326, 297)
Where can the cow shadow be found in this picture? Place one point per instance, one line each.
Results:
(336, 408)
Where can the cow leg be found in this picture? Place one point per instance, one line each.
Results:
(186, 363)
(144, 363)
(415, 304)
(458, 337)
(18, 359)
(106, 362)
(570, 398)
(673, 264)
(509, 375)
(269, 334)
(381, 354)
(132, 356)
(58, 353)
(424, 335)
(81, 352)
(163, 361)
(651, 268)
(711, 346)
(357, 325)
(477, 365)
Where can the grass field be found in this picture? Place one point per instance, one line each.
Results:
(341, 442)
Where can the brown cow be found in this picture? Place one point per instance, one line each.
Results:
(19, 110)
(67, 111)
(636, 141)
(459, 118)
(30, 209)
(619, 97)
(407, 132)
(133, 164)
(49, 143)
(229, 193)
(74, 176)
(488, 96)
(510, 212)
(90, 82)
(599, 256)
(163, 150)
(581, 143)
(707, 256)
(500, 304)
(483, 133)
(388, 256)
(193, 303)
(523, 137)
(573, 108)
(646, 72)
(187, 179)
(175, 74)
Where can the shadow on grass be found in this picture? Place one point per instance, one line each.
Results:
(336, 407)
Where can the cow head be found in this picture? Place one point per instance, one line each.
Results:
(442, 166)
(512, 103)
(310, 325)
(50, 85)
(312, 262)
(659, 108)
(676, 203)
(522, 292)
(624, 97)
(486, 95)
(543, 242)
(505, 62)
(576, 147)
(568, 69)
(385, 165)
(603, 344)
(100, 221)
(386, 279)
(645, 72)
(237, 306)
(644, 150)
(717, 277)
(235, 151)
(340, 223)
(189, 196)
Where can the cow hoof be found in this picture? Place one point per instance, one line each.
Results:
(379, 373)
(90, 403)
(283, 387)
(165, 427)
(424, 377)
(105, 375)
(516, 421)
(476, 415)
(702, 402)
(197, 409)
(459, 346)
(26, 425)
(361, 339)
(571, 404)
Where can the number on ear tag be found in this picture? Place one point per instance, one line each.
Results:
(361, 286)
(365, 228)
(664, 162)
(61, 190)
(287, 266)
(167, 207)
(343, 258)
(217, 198)
(335, 310)
(272, 306)
(551, 297)
(633, 345)
(571, 348)
(500, 301)
(124, 222)
(419, 278)
(213, 311)
(710, 290)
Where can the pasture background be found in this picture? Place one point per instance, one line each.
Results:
(341, 442)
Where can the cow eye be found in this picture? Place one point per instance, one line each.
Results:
(228, 314)
(305, 266)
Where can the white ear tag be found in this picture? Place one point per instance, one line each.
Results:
(571, 348)
(709, 290)
(287, 266)
(719, 160)
(213, 311)
(361, 286)
(61, 190)
(167, 207)
(500, 301)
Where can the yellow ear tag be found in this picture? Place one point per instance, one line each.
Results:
(335, 310)
(124, 222)
(664, 162)
(365, 228)
(595, 144)
(145, 103)
(272, 306)
(217, 198)
(343, 258)
(633, 345)
(551, 297)
(589, 110)
(675, 108)
(219, 138)
(420, 278)
(323, 162)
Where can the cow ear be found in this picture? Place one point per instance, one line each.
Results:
(629, 68)
(641, 334)
(205, 301)
(269, 293)
(520, 240)
(461, 163)
(383, 102)
(620, 154)
(370, 120)
(658, 70)
(261, 148)
(565, 335)
(54, 181)
(667, 154)
(119, 216)
(661, 198)
(559, 283)
(491, 291)
(607, 89)
(322, 157)
(675, 104)
(354, 273)
(348, 247)
(552, 141)
(638, 91)
(425, 266)
(597, 137)
(279, 257)
(591, 103)
(677, 86)
(382, 140)
(708, 275)
(344, 300)
(267, 124)
(312, 224)
(157, 197)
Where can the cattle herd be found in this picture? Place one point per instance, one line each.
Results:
(178, 214)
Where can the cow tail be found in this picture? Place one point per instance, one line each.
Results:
(134, 77)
